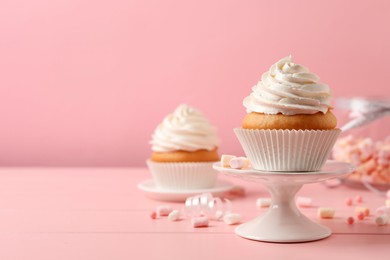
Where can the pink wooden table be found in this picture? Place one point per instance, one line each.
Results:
(98, 213)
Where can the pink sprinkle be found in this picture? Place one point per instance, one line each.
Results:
(200, 222)
(153, 215)
(348, 201)
(359, 199)
(350, 220)
(360, 215)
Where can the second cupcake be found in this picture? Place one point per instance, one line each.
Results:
(184, 147)
(289, 124)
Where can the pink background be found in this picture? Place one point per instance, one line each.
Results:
(85, 82)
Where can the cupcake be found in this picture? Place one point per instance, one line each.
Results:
(184, 147)
(289, 124)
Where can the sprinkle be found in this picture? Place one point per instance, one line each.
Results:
(359, 199)
(232, 218)
(350, 220)
(348, 201)
(360, 215)
(326, 212)
(263, 202)
(153, 215)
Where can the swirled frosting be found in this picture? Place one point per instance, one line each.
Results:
(289, 89)
(186, 129)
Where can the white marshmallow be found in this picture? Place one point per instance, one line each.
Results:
(382, 220)
(232, 218)
(239, 163)
(304, 201)
(163, 210)
(174, 215)
(225, 159)
(326, 212)
(200, 222)
(263, 202)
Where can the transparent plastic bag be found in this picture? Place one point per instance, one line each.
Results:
(365, 141)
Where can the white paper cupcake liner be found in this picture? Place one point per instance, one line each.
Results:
(287, 150)
(183, 175)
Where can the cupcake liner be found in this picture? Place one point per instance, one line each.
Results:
(287, 150)
(183, 175)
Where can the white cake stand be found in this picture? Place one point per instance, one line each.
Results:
(283, 222)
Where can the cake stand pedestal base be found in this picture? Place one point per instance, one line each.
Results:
(283, 222)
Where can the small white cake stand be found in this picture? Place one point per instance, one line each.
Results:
(283, 222)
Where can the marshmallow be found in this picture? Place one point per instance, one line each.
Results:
(198, 222)
(163, 210)
(225, 159)
(382, 210)
(239, 163)
(332, 183)
(232, 218)
(174, 215)
(304, 201)
(372, 159)
(263, 202)
(382, 220)
(387, 203)
(326, 212)
(366, 211)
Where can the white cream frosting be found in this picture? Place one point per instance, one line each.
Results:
(186, 129)
(289, 89)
